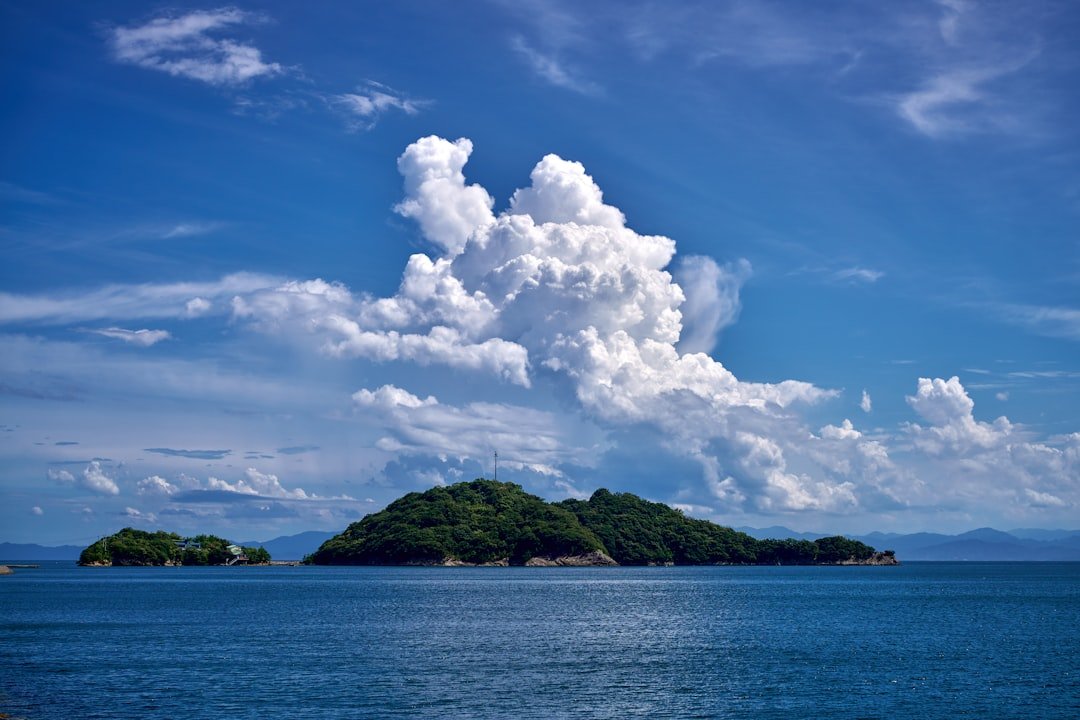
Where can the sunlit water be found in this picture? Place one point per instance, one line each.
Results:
(924, 640)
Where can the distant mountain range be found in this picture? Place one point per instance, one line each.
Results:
(984, 544)
(293, 547)
(23, 552)
(977, 545)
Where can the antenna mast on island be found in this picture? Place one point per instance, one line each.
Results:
(496, 478)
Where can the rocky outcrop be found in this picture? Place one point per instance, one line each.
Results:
(454, 562)
(5, 570)
(591, 559)
(878, 558)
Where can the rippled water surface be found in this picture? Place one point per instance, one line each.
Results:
(924, 640)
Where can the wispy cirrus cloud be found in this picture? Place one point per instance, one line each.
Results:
(551, 69)
(371, 100)
(120, 302)
(189, 229)
(849, 275)
(186, 46)
(194, 454)
(10, 192)
(962, 63)
(297, 449)
(196, 46)
(977, 49)
(858, 274)
(141, 338)
(555, 31)
(1053, 321)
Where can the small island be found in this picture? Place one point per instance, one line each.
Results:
(138, 547)
(486, 522)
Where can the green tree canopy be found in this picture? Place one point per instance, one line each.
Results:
(486, 521)
(476, 522)
(139, 547)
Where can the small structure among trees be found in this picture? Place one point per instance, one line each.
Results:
(139, 547)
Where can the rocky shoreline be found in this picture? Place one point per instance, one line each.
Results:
(878, 558)
(600, 559)
(591, 559)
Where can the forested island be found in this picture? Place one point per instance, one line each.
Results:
(138, 547)
(486, 522)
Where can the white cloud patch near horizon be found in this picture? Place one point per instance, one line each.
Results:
(526, 437)
(184, 46)
(991, 460)
(93, 478)
(253, 483)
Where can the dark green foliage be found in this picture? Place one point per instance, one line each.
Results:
(823, 551)
(133, 547)
(639, 532)
(474, 522)
(486, 521)
(257, 556)
(138, 547)
(840, 549)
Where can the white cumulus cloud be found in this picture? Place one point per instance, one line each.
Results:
(557, 283)
(156, 485)
(990, 462)
(437, 197)
(93, 477)
(257, 483)
(712, 300)
(946, 405)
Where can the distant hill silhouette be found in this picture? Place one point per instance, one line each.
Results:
(294, 547)
(12, 552)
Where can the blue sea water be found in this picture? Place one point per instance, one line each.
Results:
(923, 640)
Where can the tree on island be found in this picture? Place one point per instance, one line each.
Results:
(138, 547)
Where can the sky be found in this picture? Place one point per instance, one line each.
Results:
(267, 268)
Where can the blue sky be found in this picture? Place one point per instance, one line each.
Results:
(266, 269)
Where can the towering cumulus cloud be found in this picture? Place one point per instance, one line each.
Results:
(557, 285)
(557, 293)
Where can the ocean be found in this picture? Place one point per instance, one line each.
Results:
(923, 640)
